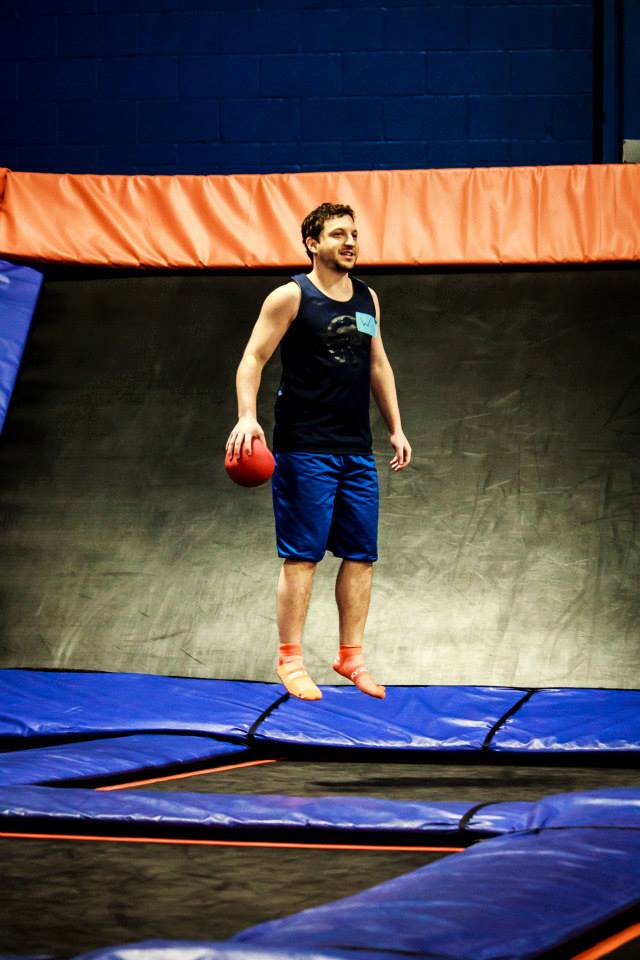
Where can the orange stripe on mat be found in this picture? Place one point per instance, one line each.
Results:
(232, 843)
(184, 776)
(610, 944)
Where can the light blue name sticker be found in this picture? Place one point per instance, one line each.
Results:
(366, 323)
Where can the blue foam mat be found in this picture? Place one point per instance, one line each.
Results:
(255, 811)
(515, 896)
(573, 720)
(409, 718)
(93, 759)
(617, 808)
(447, 719)
(612, 807)
(19, 291)
(197, 950)
(54, 703)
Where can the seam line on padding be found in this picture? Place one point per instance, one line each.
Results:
(503, 719)
(466, 818)
(251, 734)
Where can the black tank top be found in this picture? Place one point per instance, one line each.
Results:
(322, 403)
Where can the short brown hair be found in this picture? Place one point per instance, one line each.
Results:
(314, 222)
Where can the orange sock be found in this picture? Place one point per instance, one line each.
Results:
(293, 675)
(350, 664)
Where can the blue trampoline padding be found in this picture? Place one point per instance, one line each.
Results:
(557, 720)
(199, 950)
(515, 896)
(102, 758)
(617, 808)
(451, 719)
(614, 807)
(409, 718)
(54, 703)
(19, 290)
(236, 811)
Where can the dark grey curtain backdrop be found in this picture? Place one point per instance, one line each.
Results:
(509, 549)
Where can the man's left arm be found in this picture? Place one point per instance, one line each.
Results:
(383, 387)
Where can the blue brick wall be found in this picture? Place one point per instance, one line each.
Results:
(631, 66)
(224, 86)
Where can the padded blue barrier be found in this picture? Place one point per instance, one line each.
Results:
(19, 291)
(572, 720)
(197, 950)
(615, 808)
(451, 719)
(515, 896)
(409, 718)
(254, 811)
(612, 807)
(55, 703)
(95, 759)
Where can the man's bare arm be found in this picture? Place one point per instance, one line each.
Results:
(383, 387)
(277, 313)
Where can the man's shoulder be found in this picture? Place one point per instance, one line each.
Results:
(282, 304)
(286, 293)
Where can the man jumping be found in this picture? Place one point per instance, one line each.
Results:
(325, 486)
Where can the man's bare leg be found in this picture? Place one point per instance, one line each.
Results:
(294, 594)
(353, 593)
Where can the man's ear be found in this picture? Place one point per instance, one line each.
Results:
(310, 244)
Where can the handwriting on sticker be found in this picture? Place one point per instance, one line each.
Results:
(366, 323)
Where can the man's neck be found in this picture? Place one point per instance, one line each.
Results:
(335, 283)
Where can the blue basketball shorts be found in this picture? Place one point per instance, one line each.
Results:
(325, 501)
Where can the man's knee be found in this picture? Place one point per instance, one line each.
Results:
(300, 564)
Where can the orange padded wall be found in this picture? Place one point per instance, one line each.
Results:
(518, 215)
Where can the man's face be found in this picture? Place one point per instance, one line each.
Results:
(337, 246)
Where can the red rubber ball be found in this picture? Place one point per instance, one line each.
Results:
(251, 471)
